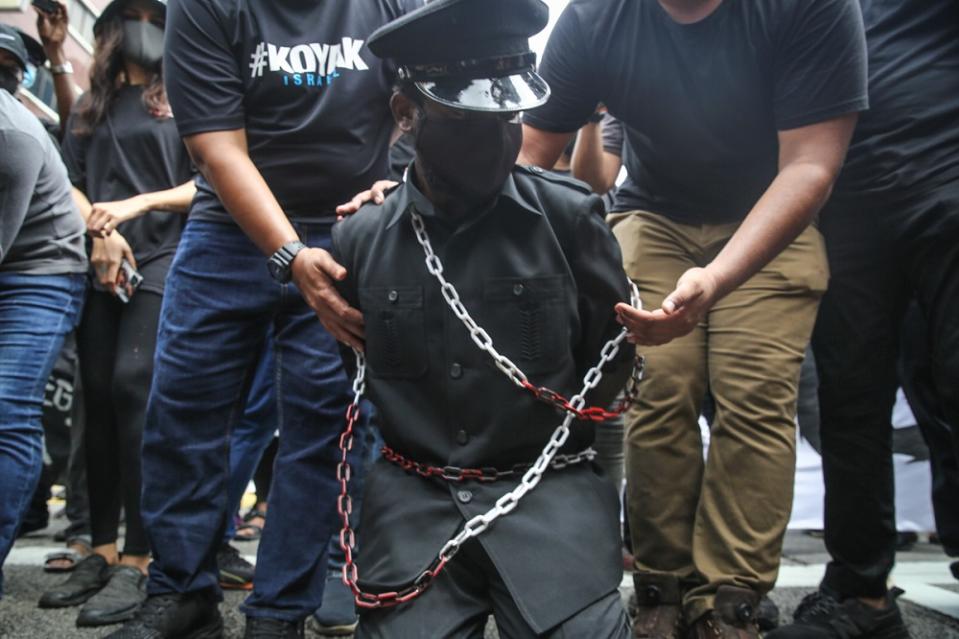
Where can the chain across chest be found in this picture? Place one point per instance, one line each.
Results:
(574, 408)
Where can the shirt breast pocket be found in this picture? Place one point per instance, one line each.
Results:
(395, 331)
(528, 321)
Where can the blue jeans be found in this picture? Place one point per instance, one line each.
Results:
(36, 313)
(251, 437)
(218, 304)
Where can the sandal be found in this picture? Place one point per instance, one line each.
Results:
(255, 530)
(76, 550)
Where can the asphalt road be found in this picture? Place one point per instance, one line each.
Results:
(21, 619)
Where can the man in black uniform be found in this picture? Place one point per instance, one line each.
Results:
(528, 257)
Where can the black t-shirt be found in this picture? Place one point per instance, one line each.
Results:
(702, 103)
(132, 152)
(909, 138)
(298, 77)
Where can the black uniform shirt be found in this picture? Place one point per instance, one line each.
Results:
(298, 77)
(702, 102)
(541, 272)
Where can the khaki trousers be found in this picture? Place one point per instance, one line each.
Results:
(721, 521)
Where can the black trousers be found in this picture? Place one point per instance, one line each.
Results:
(461, 600)
(882, 254)
(915, 371)
(116, 343)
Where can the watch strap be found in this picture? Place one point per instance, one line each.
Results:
(282, 260)
(61, 69)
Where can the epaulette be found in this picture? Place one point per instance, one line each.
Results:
(556, 178)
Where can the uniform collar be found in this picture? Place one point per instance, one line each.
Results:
(408, 195)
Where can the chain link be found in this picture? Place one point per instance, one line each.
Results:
(573, 408)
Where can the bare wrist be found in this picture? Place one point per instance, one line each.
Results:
(55, 54)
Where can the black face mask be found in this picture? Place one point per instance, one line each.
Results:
(142, 43)
(469, 158)
(9, 80)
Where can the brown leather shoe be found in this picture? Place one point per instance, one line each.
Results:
(733, 618)
(659, 607)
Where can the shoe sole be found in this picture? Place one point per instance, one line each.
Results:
(343, 630)
(108, 619)
(211, 631)
(229, 585)
(69, 603)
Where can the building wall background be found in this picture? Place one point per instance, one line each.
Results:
(79, 46)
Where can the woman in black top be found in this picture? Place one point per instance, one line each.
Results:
(125, 156)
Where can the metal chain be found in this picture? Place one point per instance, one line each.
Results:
(484, 342)
(483, 475)
(505, 504)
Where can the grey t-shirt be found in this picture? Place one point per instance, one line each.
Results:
(41, 231)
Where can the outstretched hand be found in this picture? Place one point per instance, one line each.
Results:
(696, 292)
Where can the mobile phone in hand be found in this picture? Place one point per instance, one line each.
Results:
(47, 6)
(128, 282)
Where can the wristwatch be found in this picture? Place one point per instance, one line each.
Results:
(61, 69)
(280, 263)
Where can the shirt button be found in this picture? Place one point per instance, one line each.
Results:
(456, 371)
(464, 496)
(462, 438)
(518, 289)
(393, 296)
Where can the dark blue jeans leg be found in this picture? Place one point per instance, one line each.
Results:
(218, 302)
(36, 313)
(254, 433)
(312, 393)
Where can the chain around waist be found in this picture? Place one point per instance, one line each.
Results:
(486, 474)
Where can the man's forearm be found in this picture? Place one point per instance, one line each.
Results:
(223, 160)
(63, 88)
(784, 211)
(590, 163)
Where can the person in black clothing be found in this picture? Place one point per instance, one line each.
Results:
(892, 233)
(125, 156)
(527, 254)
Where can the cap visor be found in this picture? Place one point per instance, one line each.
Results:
(518, 92)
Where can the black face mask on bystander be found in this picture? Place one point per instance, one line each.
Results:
(468, 158)
(9, 79)
(143, 43)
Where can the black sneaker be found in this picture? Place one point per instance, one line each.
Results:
(822, 616)
(263, 628)
(118, 601)
(235, 572)
(88, 577)
(337, 616)
(954, 567)
(194, 615)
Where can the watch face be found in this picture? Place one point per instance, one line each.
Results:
(277, 272)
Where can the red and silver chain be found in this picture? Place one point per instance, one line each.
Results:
(505, 504)
(483, 475)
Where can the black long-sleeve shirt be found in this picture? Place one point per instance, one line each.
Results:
(541, 272)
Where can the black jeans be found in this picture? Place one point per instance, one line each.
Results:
(881, 254)
(915, 371)
(116, 343)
